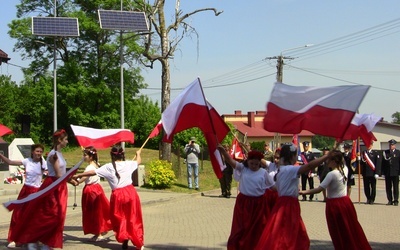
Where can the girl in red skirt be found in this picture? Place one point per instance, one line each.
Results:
(341, 217)
(34, 169)
(125, 207)
(251, 210)
(285, 228)
(44, 217)
(95, 205)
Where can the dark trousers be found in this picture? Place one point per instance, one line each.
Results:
(304, 178)
(392, 181)
(370, 188)
(226, 182)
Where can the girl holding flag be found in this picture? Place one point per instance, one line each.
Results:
(95, 205)
(285, 228)
(251, 210)
(125, 207)
(344, 228)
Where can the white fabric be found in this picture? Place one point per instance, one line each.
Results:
(62, 163)
(34, 172)
(91, 179)
(334, 185)
(287, 181)
(252, 183)
(368, 120)
(125, 170)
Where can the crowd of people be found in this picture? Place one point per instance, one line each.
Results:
(267, 209)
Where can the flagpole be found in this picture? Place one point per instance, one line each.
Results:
(144, 143)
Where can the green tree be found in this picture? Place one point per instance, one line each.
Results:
(396, 118)
(319, 142)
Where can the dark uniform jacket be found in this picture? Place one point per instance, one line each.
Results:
(391, 162)
(309, 157)
(376, 159)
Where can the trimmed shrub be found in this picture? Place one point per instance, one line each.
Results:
(160, 174)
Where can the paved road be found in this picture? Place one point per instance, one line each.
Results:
(195, 221)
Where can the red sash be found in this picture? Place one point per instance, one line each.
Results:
(368, 161)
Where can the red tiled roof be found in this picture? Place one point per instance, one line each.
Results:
(3, 57)
(258, 130)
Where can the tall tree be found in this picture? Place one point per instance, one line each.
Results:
(161, 44)
(396, 117)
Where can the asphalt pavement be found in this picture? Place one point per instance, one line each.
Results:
(202, 220)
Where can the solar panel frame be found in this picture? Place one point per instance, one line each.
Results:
(55, 26)
(123, 20)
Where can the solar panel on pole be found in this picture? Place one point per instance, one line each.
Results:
(123, 20)
(55, 26)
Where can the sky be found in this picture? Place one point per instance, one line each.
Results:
(351, 42)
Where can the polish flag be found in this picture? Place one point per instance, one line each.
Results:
(190, 109)
(101, 138)
(236, 151)
(354, 152)
(325, 111)
(4, 130)
(156, 130)
(361, 126)
(11, 205)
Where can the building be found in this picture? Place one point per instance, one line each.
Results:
(3, 57)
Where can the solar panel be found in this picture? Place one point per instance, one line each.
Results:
(55, 26)
(123, 20)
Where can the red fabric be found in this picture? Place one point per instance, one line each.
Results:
(43, 218)
(236, 151)
(344, 228)
(156, 130)
(190, 109)
(250, 216)
(272, 196)
(285, 228)
(25, 191)
(95, 210)
(326, 111)
(4, 130)
(126, 215)
(354, 151)
(101, 138)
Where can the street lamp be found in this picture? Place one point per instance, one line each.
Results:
(279, 64)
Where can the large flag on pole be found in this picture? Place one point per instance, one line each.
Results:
(5, 130)
(325, 111)
(361, 126)
(101, 138)
(190, 109)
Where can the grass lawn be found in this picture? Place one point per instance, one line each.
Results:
(207, 178)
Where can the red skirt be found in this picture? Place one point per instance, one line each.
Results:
(344, 228)
(43, 219)
(25, 191)
(250, 216)
(272, 196)
(285, 228)
(126, 215)
(95, 210)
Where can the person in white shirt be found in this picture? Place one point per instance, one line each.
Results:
(344, 228)
(125, 207)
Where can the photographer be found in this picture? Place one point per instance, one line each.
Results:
(192, 151)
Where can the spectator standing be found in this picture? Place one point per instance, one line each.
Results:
(306, 157)
(268, 154)
(390, 168)
(192, 151)
(226, 180)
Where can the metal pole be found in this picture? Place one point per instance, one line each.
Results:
(122, 83)
(55, 75)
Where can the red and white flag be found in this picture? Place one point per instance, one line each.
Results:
(325, 111)
(156, 130)
(236, 151)
(361, 126)
(101, 138)
(190, 109)
(11, 205)
(5, 130)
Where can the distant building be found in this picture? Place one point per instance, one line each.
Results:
(3, 57)
(250, 125)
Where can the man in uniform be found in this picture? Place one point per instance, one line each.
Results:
(371, 169)
(350, 175)
(306, 157)
(390, 168)
(268, 154)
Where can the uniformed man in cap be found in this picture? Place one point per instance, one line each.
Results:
(371, 163)
(390, 168)
(351, 169)
(323, 170)
(306, 157)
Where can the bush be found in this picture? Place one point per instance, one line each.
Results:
(160, 174)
